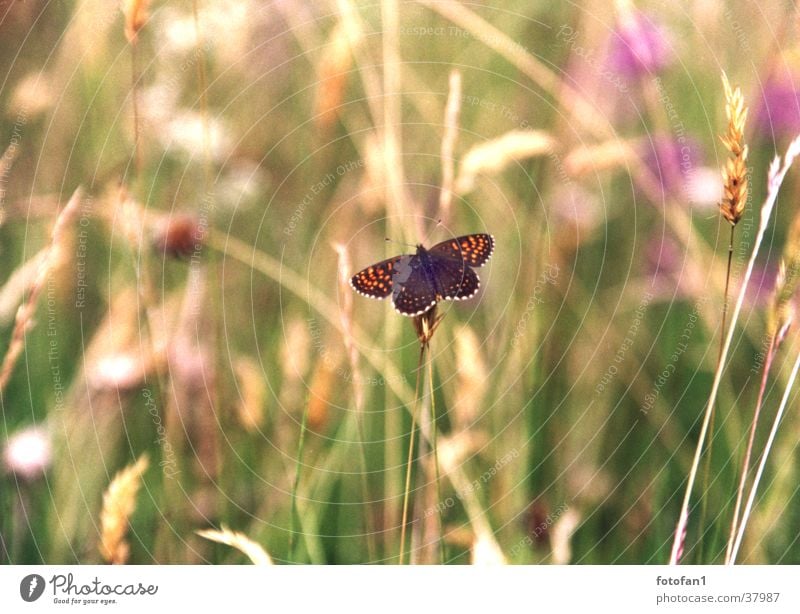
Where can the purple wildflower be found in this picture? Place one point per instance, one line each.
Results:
(778, 109)
(672, 163)
(638, 46)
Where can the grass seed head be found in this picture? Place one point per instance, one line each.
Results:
(782, 307)
(252, 394)
(136, 13)
(334, 72)
(119, 503)
(734, 172)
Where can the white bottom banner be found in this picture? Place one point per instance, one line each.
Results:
(229, 589)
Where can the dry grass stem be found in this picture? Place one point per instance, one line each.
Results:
(472, 378)
(450, 459)
(781, 315)
(496, 39)
(334, 72)
(493, 156)
(6, 163)
(13, 291)
(774, 341)
(451, 115)
(396, 196)
(253, 550)
(485, 553)
(202, 86)
(783, 309)
(119, 503)
(425, 325)
(345, 269)
(764, 456)
(346, 316)
(561, 536)
(608, 155)
(410, 456)
(777, 172)
(26, 312)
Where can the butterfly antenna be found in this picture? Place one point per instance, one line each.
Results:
(438, 223)
(431, 231)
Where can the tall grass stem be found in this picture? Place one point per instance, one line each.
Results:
(410, 459)
(777, 172)
(763, 462)
(749, 451)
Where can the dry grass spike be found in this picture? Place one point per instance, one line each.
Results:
(136, 13)
(254, 551)
(25, 314)
(119, 502)
(734, 173)
(782, 309)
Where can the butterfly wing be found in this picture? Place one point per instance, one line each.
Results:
(413, 292)
(455, 280)
(377, 281)
(474, 250)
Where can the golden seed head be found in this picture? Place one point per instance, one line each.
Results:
(136, 13)
(119, 502)
(791, 249)
(734, 173)
(782, 310)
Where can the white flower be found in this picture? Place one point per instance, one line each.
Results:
(119, 371)
(186, 132)
(28, 453)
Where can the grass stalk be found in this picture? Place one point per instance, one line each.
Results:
(709, 449)
(451, 115)
(434, 447)
(749, 451)
(202, 82)
(725, 294)
(410, 459)
(764, 456)
(777, 172)
(357, 386)
(137, 141)
(296, 483)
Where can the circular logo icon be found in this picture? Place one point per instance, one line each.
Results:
(31, 587)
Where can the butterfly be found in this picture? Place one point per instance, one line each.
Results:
(418, 281)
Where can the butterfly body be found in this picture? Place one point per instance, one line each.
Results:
(426, 264)
(418, 281)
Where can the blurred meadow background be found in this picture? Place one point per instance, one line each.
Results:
(186, 188)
